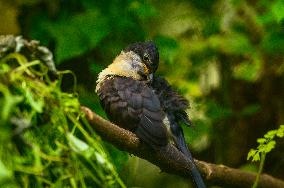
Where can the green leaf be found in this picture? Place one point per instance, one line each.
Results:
(10, 101)
(251, 153)
(69, 102)
(36, 104)
(280, 134)
(79, 146)
(100, 158)
(256, 157)
(261, 140)
(280, 131)
(270, 145)
(270, 134)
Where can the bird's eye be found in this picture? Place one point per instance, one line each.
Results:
(146, 57)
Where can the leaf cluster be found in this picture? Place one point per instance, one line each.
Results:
(266, 144)
(44, 139)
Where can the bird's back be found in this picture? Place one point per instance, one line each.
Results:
(174, 106)
(133, 105)
(172, 103)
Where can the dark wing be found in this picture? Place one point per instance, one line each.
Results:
(174, 106)
(134, 106)
(171, 101)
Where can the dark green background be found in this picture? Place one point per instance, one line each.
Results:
(225, 57)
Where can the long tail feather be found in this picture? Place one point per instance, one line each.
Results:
(181, 145)
(194, 171)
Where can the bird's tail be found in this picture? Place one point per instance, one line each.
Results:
(194, 171)
(181, 145)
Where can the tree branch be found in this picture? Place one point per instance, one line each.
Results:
(170, 160)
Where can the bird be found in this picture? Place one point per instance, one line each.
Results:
(135, 99)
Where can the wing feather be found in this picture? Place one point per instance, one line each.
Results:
(172, 102)
(134, 106)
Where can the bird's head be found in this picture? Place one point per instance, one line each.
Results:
(139, 61)
(148, 53)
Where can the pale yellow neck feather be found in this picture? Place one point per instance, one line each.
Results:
(120, 67)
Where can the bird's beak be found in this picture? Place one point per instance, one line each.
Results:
(147, 72)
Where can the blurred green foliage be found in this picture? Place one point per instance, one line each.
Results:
(226, 57)
(44, 140)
